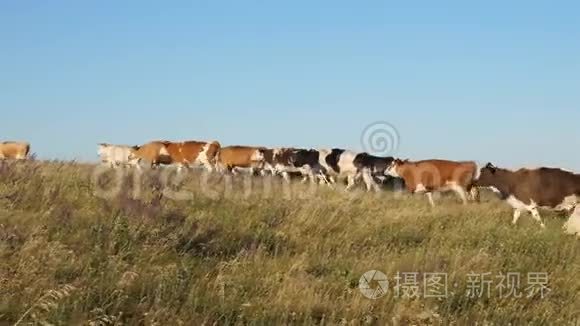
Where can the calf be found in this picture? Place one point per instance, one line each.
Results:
(530, 189)
(430, 176)
(117, 155)
(14, 150)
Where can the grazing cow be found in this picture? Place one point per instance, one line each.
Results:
(117, 155)
(430, 176)
(530, 189)
(188, 153)
(14, 150)
(233, 158)
(153, 154)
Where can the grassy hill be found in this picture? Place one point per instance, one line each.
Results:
(250, 251)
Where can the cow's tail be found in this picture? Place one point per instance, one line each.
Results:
(217, 159)
(26, 149)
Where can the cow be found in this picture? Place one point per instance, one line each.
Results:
(370, 166)
(277, 161)
(307, 163)
(152, 154)
(234, 158)
(14, 150)
(530, 189)
(117, 155)
(430, 176)
(344, 164)
(189, 153)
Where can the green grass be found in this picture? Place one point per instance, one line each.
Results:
(291, 255)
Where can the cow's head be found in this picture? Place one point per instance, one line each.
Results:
(133, 158)
(258, 157)
(383, 167)
(487, 176)
(101, 148)
(393, 168)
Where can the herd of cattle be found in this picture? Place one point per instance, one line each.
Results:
(524, 189)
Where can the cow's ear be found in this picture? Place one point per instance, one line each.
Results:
(491, 167)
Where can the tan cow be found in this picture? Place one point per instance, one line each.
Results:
(188, 153)
(233, 158)
(430, 176)
(14, 150)
(152, 154)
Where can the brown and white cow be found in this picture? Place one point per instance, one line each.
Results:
(14, 150)
(530, 189)
(430, 176)
(233, 158)
(191, 153)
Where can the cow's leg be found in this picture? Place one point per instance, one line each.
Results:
(430, 198)
(286, 176)
(462, 194)
(351, 180)
(517, 214)
(324, 179)
(474, 194)
(537, 217)
(369, 182)
(312, 177)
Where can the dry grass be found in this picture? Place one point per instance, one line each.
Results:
(285, 256)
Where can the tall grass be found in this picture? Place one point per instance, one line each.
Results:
(273, 255)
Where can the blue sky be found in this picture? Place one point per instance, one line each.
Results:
(494, 81)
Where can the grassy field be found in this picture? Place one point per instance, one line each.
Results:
(253, 252)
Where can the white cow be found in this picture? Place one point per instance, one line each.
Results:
(117, 155)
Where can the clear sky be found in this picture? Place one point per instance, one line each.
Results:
(494, 81)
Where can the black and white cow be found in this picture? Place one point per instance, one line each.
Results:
(292, 161)
(344, 164)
